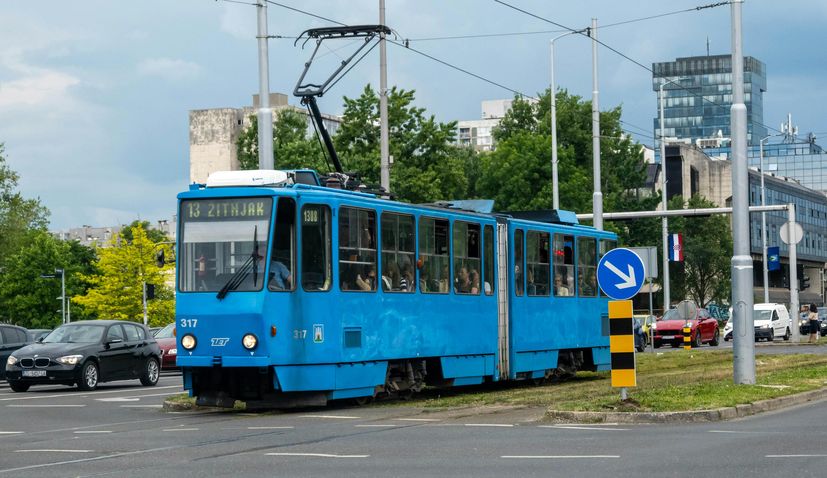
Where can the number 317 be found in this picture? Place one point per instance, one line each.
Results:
(188, 322)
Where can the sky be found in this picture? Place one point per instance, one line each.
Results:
(95, 94)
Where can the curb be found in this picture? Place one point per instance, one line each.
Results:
(698, 416)
(170, 406)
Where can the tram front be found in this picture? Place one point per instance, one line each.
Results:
(227, 256)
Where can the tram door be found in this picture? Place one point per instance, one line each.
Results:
(503, 321)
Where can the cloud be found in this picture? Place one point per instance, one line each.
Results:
(169, 68)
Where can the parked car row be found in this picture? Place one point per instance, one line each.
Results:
(83, 353)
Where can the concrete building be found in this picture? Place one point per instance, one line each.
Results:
(478, 133)
(697, 94)
(690, 171)
(92, 236)
(214, 132)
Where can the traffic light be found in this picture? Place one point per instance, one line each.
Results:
(150, 291)
(805, 283)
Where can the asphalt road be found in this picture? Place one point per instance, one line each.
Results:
(120, 430)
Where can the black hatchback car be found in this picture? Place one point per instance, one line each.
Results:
(12, 338)
(87, 353)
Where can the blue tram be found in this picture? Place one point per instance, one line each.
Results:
(293, 293)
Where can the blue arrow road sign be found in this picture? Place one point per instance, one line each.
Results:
(620, 273)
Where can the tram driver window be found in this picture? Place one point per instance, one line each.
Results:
(586, 266)
(433, 260)
(283, 257)
(537, 263)
(315, 250)
(563, 265)
(357, 249)
(398, 253)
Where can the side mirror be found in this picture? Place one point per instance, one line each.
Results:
(39, 340)
(113, 341)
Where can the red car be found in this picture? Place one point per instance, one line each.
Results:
(669, 329)
(166, 340)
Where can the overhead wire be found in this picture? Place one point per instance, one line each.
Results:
(614, 50)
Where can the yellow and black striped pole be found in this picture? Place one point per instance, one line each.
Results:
(687, 337)
(622, 344)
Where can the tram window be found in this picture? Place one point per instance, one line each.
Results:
(519, 266)
(283, 255)
(315, 247)
(398, 253)
(489, 261)
(357, 249)
(586, 265)
(537, 263)
(434, 258)
(467, 258)
(563, 265)
(606, 245)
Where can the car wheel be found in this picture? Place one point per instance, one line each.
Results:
(787, 334)
(657, 345)
(641, 347)
(88, 376)
(151, 372)
(18, 386)
(697, 342)
(716, 339)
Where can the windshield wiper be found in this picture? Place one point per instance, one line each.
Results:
(240, 274)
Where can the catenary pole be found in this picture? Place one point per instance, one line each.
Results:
(764, 223)
(597, 197)
(385, 174)
(743, 337)
(664, 221)
(266, 159)
(555, 187)
(794, 305)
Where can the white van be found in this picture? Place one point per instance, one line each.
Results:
(771, 321)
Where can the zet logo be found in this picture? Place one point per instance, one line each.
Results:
(219, 341)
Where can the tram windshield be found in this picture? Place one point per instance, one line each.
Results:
(218, 240)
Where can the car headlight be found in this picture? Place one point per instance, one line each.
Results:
(172, 352)
(765, 326)
(249, 341)
(654, 326)
(11, 360)
(188, 342)
(69, 359)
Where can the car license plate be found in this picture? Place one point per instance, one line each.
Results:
(34, 373)
(668, 337)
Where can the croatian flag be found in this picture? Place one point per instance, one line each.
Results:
(676, 247)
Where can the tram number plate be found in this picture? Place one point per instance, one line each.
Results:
(34, 373)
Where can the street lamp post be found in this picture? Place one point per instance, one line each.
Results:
(764, 222)
(555, 190)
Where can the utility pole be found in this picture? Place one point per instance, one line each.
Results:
(385, 173)
(743, 336)
(265, 114)
(597, 197)
(555, 189)
(664, 221)
(62, 294)
(794, 304)
(764, 223)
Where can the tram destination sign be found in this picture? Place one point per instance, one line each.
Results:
(234, 209)
(620, 273)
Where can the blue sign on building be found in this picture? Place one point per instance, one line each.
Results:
(620, 274)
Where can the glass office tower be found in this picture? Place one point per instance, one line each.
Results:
(697, 104)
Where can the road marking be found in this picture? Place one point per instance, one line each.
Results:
(69, 394)
(733, 431)
(52, 451)
(417, 419)
(543, 457)
(47, 406)
(141, 406)
(10, 433)
(572, 427)
(488, 425)
(117, 399)
(270, 428)
(317, 455)
(84, 432)
(330, 416)
(84, 460)
(180, 430)
(796, 456)
(375, 426)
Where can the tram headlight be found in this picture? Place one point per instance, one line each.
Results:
(249, 341)
(188, 342)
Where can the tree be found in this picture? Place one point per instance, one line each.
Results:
(292, 147)
(517, 175)
(116, 288)
(427, 165)
(29, 299)
(18, 215)
(707, 247)
(153, 235)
